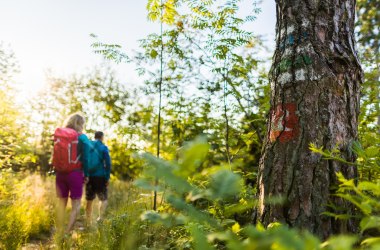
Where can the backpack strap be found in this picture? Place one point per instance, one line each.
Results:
(78, 156)
(101, 158)
(93, 147)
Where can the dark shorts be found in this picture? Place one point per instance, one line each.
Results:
(69, 183)
(96, 186)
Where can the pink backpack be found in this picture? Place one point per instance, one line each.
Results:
(65, 155)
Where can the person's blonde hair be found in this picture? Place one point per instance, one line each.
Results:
(75, 121)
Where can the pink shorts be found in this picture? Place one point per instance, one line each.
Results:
(72, 183)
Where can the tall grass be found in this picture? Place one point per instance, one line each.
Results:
(28, 214)
(122, 228)
(26, 209)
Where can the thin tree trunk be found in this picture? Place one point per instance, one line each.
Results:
(315, 83)
(227, 130)
(159, 102)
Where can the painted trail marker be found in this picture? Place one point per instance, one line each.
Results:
(284, 126)
(291, 39)
(299, 62)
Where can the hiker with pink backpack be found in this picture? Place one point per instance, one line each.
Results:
(70, 160)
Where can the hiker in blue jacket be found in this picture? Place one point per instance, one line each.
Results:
(97, 176)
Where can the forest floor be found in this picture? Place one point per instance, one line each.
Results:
(47, 241)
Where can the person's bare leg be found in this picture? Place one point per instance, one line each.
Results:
(102, 209)
(75, 203)
(61, 208)
(89, 213)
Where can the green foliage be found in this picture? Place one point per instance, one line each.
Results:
(124, 165)
(204, 50)
(14, 148)
(368, 24)
(192, 156)
(367, 27)
(193, 199)
(26, 209)
(109, 51)
(164, 10)
(340, 242)
(185, 195)
(365, 196)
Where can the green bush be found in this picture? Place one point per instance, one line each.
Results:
(364, 192)
(200, 206)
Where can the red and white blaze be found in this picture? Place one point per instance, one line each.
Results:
(284, 125)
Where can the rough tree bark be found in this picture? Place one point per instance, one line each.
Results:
(315, 83)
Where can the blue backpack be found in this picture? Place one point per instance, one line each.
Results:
(95, 157)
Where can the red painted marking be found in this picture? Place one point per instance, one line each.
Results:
(284, 125)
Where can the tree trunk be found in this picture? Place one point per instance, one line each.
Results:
(315, 84)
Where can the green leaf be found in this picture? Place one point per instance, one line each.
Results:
(260, 227)
(163, 171)
(338, 216)
(274, 225)
(193, 213)
(310, 241)
(375, 241)
(342, 242)
(370, 222)
(192, 156)
(200, 240)
(239, 208)
(369, 186)
(372, 151)
(225, 184)
(153, 54)
(168, 220)
(364, 207)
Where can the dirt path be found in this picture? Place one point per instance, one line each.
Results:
(47, 241)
